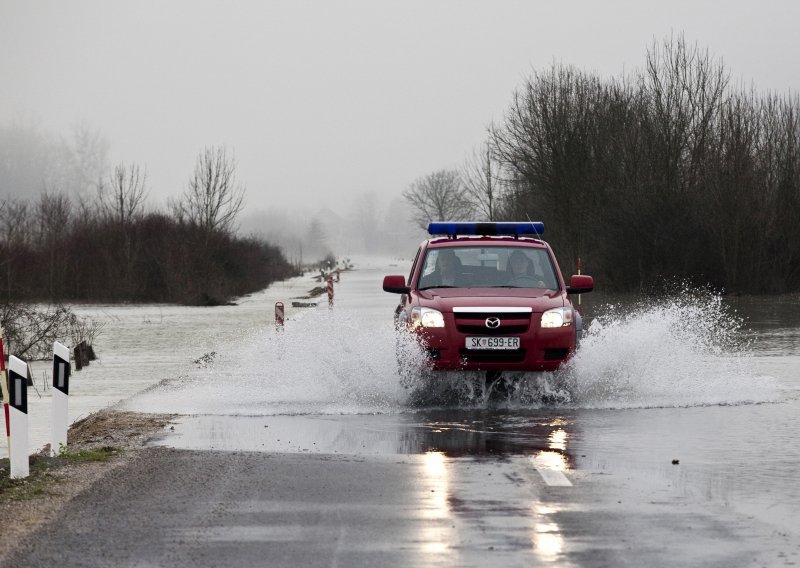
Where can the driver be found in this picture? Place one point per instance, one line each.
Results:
(522, 271)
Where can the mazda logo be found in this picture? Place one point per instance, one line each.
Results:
(493, 323)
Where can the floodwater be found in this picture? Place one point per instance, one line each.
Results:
(142, 345)
(707, 381)
(689, 403)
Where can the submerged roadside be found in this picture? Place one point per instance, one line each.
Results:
(145, 344)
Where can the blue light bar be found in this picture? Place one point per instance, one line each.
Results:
(515, 229)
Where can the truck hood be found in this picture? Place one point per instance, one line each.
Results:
(445, 299)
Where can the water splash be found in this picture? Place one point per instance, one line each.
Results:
(324, 362)
(685, 350)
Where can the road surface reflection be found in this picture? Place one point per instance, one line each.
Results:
(451, 433)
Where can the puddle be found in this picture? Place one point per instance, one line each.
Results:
(452, 433)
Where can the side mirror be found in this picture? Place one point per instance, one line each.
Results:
(395, 284)
(580, 284)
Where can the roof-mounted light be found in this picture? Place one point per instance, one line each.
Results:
(515, 229)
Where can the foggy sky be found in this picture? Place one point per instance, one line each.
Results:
(322, 101)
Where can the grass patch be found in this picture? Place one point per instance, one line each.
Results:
(38, 484)
(43, 473)
(83, 456)
(30, 488)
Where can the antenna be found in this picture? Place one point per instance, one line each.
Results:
(533, 225)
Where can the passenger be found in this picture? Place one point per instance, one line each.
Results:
(523, 273)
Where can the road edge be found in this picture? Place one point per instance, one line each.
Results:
(121, 434)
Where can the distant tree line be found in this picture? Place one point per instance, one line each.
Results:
(32, 160)
(667, 172)
(57, 248)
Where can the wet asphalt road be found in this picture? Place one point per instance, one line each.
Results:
(436, 488)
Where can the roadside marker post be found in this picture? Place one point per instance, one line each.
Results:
(338, 276)
(279, 315)
(18, 410)
(61, 373)
(330, 292)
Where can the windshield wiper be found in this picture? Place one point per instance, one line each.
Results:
(429, 287)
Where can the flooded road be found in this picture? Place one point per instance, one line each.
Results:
(679, 427)
(671, 439)
(141, 345)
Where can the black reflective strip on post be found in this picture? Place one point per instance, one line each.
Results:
(61, 372)
(18, 391)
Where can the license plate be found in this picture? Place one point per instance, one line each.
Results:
(492, 342)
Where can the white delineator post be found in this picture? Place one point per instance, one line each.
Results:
(61, 373)
(330, 291)
(18, 411)
(279, 315)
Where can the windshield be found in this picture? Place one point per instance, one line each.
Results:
(487, 267)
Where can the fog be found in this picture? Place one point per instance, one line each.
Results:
(331, 108)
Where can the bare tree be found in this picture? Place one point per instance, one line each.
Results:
(26, 157)
(31, 157)
(438, 196)
(121, 202)
(52, 215)
(84, 160)
(316, 239)
(480, 175)
(126, 193)
(31, 329)
(15, 216)
(686, 88)
(214, 197)
(53, 212)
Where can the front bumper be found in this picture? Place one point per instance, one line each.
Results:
(541, 349)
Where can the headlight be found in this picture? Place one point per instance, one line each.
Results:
(426, 317)
(557, 317)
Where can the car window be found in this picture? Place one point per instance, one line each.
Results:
(430, 262)
(488, 267)
(414, 265)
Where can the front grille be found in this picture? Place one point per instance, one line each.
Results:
(475, 323)
(492, 356)
(483, 330)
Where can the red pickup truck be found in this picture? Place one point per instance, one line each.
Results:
(490, 296)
